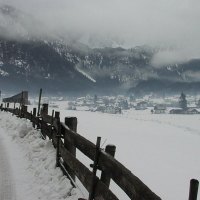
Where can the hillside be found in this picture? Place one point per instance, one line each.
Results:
(30, 61)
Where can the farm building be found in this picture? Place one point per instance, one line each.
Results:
(159, 109)
(141, 105)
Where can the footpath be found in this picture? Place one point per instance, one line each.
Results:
(27, 164)
(7, 188)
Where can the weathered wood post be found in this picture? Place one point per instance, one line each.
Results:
(45, 108)
(21, 100)
(57, 117)
(105, 176)
(34, 116)
(95, 167)
(71, 122)
(21, 111)
(52, 117)
(39, 102)
(44, 111)
(194, 185)
(7, 105)
(24, 111)
(31, 117)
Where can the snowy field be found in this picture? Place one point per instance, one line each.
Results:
(162, 150)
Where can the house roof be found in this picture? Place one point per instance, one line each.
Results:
(160, 107)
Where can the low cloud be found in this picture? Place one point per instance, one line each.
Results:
(166, 57)
(169, 57)
(192, 76)
(127, 23)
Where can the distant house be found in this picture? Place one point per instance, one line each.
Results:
(141, 105)
(198, 104)
(113, 110)
(159, 109)
(71, 105)
(109, 109)
(176, 111)
(100, 108)
(192, 111)
(123, 104)
(186, 111)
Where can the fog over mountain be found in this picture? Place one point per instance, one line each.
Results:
(113, 43)
(128, 23)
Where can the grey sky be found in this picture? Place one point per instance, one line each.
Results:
(167, 23)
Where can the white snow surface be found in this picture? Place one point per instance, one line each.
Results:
(32, 163)
(85, 74)
(160, 149)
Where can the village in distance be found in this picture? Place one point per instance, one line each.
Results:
(177, 104)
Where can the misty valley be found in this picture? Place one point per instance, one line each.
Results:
(99, 100)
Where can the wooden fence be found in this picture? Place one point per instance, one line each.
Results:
(66, 140)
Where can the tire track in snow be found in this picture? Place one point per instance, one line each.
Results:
(7, 191)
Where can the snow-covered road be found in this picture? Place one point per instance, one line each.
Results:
(7, 189)
(27, 164)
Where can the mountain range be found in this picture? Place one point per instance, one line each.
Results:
(47, 61)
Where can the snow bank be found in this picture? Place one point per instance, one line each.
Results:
(33, 162)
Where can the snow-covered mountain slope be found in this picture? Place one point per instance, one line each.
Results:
(29, 61)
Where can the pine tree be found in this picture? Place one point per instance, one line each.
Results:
(183, 101)
(95, 98)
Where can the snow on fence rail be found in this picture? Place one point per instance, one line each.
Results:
(66, 140)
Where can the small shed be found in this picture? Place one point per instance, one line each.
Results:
(191, 111)
(141, 105)
(159, 109)
(176, 111)
(186, 111)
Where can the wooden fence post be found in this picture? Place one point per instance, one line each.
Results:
(31, 118)
(34, 116)
(39, 102)
(7, 105)
(24, 111)
(95, 167)
(71, 122)
(57, 116)
(194, 184)
(105, 176)
(44, 111)
(45, 108)
(52, 117)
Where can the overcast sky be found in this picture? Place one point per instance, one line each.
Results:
(168, 23)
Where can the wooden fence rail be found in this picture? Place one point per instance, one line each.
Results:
(66, 140)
